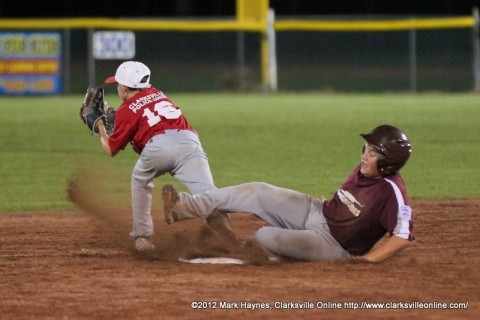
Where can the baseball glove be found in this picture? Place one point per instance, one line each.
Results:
(94, 108)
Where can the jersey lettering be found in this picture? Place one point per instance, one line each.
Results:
(350, 202)
(164, 109)
(142, 101)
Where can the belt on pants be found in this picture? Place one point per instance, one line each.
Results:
(168, 132)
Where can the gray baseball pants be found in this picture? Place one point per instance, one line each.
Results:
(298, 228)
(178, 152)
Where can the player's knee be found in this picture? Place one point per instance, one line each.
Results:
(265, 237)
(259, 234)
(139, 182)
(258, 187)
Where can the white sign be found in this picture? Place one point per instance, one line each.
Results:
(113, 45)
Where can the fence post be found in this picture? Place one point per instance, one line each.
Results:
(241, 60)
(272, 52)
(67, 55)
(413, 59)
(476, 50)
(90, 58)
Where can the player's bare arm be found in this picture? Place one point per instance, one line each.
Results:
(390, 247)
(104, 138)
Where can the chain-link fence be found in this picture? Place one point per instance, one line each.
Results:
(417, 60)
(396, 61)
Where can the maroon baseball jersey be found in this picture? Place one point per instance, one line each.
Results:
(363, 210)
(143, 116)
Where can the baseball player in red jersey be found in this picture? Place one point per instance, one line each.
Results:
(370, 203)
(159, 132)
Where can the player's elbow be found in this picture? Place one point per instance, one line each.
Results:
(401, 243)
(109, 153)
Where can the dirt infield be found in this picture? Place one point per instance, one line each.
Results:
(76, 265)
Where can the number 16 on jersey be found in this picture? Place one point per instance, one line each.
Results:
(161, 109)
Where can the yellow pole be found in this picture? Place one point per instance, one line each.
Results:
(257, 10)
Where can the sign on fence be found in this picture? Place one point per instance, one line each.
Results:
(30, 63)
(113, 45)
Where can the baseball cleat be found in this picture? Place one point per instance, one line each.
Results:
(218, 221)
(144, 244)
(170, 198)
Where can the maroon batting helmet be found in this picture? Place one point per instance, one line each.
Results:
(392, 144)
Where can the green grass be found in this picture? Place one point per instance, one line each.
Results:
(306, 142)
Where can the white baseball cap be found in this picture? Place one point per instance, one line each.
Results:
(130, 74)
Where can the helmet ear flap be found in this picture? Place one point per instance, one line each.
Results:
(385, 168)
(381, 165)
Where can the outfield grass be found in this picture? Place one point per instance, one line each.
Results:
(307, 142)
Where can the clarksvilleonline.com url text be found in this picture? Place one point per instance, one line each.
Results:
(326, 305)
(394, 305)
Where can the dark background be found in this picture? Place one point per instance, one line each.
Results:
(312, 61)
(185, 8)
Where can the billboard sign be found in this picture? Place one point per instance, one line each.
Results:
(30, 63)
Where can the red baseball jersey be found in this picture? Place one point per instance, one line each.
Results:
(143, 116)
(363, 210)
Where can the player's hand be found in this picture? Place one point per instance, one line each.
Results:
(359, 259)
(105, 106)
